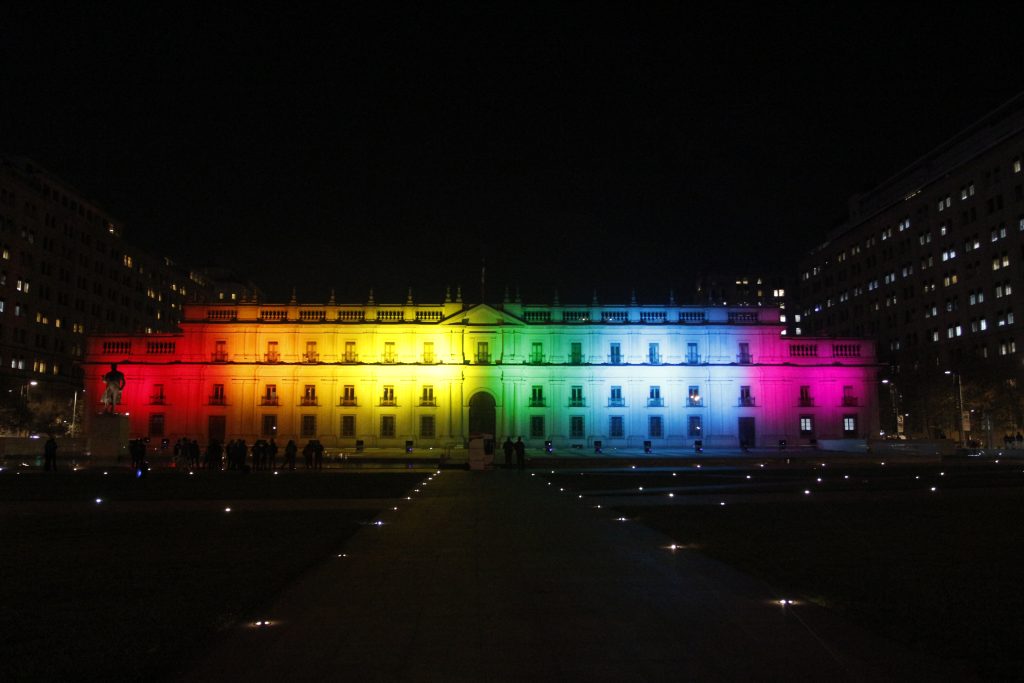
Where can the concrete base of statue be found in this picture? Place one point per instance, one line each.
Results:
(107, 440)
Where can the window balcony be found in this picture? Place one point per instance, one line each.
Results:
(308, 401)
(615, 359)
(388, 358)
(654, 358)
(272, 358)
(655, 402)
(350, 358)
(693, 359)
(850, 402)
(219, 356)
(747, 401)
(576, 359)
(218, 401)
(536, 358)
(269, 401)
(157, 400)
(348, 402)
(430, 402)
(388, 402)
(616, 402)
(744, 358)
(577, 403)
(429, 359)
(536, 403)
(311, 357)
(483, 359)
(805, 402)
(694, 403)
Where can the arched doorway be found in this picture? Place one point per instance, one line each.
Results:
(482, 418)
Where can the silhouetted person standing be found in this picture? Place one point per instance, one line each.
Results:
(50, 454)
(509, 449)
(520, 449)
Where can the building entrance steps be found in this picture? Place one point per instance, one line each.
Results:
(498, 575)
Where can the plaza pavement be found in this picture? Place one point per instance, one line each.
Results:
(499, 576)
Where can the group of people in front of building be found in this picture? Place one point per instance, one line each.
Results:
(517, 449)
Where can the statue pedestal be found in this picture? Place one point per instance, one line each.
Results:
(107, 440)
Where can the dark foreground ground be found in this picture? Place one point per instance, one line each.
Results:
(132, 586)
(150, 577)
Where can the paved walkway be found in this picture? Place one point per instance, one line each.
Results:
(497, 576)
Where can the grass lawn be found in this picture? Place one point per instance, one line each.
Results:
(941, 574)
(101, 593)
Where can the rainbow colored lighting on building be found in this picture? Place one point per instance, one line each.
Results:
(382, 375)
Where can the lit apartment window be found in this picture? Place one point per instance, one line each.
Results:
(387, 397)
(806, 425)
(309, 395)
(693, 398)
(849, 426)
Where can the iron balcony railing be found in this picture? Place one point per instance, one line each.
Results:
(616, 402)
(308, 401)
(744, 358)
(577, 403)
(653, 402)
(269, 401)
(536, 403)
(747, 401)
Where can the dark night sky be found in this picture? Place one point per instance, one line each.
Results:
(572, 147)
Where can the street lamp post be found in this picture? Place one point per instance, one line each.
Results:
(893, 399)
(959, 396)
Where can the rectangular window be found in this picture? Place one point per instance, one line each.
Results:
(350, 352)
(348, 425)
(746, 399)
(849, 426)
(387, 426)
(694, 399)
(537, 396)
(156, 424)
(348, 395)
(536, 352)
(483, 353)
(309, 395)
(849, 398)
(427, 426)
(653, 353)
(806, 425)
(692, 357)
(654, 426)
(744, 357)
(576, 430)
(389, 352)
(616, 428)
(694, 426)
(576, 353)
(269, 426)
(428, 352)
(427, 397)
(307, 429)
(576, 397)
(654, 397)
(269, 395)
(311, 356)
(272, 354)
(217, 395)
(220, 351)
(158, 395)
(537, 430)
(615, 397)
(615, 353)
(387, 397)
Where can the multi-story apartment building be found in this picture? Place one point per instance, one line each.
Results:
(66, 271)
(382, 375)
(929, 265)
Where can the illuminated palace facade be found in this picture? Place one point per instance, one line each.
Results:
(382, 375)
